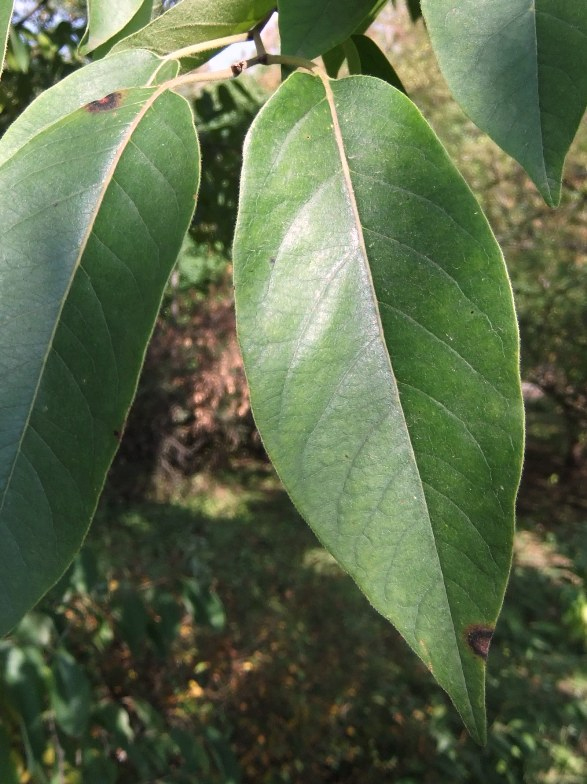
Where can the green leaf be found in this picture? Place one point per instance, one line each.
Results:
(309, 29)
(519, 70)
(24, 688)
(120, 71)
(5, 16)
(20, 51)
(70, 695)
(380, 343)
(93, 210)
(196, 21)
(8, 769)
(333, 60)
(109, 22)
(373, 62)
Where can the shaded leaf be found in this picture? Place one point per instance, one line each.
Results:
(8, 768)
(195, 21)
(333, 60)
(20, 51)
(93, 210)
(70, 695)
(380, 343)
(309, 29)
(133, 621)
(109, 22)
(372, 61)
(519, 70)
(98, 769)
(23, 685)
(5, 16)
(415, 9)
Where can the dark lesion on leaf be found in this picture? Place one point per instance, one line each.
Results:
(105, 104)
(479, 639)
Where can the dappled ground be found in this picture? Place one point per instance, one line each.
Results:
(204, 635)
(310, 684)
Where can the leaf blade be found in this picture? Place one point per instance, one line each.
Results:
(109, 22)
(79, 299)
(5, 16)
(134, 68)
(309, 29)
(196, 21)
(374, 63)
(519, 70)
(331, 385)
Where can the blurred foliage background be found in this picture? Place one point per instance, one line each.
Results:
(202, 634)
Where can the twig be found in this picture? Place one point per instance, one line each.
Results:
(206, 46)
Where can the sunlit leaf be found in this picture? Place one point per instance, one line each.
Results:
(5, 15)
(380, 343)
(109, 21)
(195, 21)
(126, 69)
(93, 210)
(519, 70)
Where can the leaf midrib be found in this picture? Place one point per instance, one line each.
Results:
(83, 245)
(353, 202)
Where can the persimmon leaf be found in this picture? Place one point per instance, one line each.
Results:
(93, 210)
(380, 343)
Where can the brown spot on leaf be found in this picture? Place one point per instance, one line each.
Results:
(479, 640)
(110, 101)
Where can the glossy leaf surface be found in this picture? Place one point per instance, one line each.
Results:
(108, 22)
(5, 15)
(93, 210)
(195, 21)
(519, 70)
(309, 29)
(377, 327)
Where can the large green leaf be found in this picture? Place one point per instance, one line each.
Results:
(93, 210)
(309, 29)
(5, 15)
(196, 21)
(519, 70)
(380, 343)
(134, 68)
(109, 21)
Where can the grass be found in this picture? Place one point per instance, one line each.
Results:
(310, 684)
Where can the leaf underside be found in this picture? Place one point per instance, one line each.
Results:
(134, 68)
(380, 343)
(519, 70)
(93, 210)
(110, 22)
(196, 21)
(5, 16)
(309, 29)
